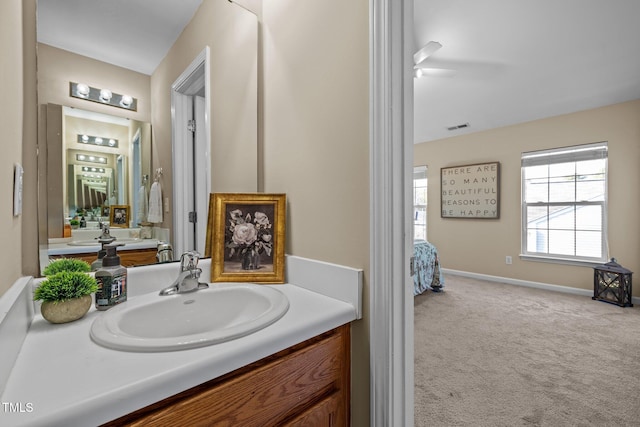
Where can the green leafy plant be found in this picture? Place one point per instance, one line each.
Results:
(65, 285)
(66, 264)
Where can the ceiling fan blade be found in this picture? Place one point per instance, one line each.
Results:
(426, 51)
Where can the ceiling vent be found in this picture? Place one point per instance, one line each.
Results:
(462, 126)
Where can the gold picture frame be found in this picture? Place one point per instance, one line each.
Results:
(245, 237)
(119, 216)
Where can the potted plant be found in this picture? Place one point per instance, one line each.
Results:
(74, 224)
(66, 264)
(66, 292)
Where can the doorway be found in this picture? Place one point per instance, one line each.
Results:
(191, 155)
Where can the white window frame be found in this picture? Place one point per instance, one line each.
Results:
(420, 172)
(561, 155)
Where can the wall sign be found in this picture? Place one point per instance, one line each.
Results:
(470, 191)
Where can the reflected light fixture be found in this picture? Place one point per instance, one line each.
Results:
(102, 96)
(97, 140)
(91, 159)
(92, 169)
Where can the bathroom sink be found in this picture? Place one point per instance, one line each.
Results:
(94, 242)
(225, 311)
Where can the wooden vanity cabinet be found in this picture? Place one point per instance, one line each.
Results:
(128, 258)
(305, 385)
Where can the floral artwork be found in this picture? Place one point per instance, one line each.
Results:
(245, 237)
(119, 216)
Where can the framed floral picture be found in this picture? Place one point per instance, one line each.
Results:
(245, 237)
(119, 216)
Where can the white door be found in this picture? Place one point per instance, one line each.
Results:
(191, 162)
(201, 184)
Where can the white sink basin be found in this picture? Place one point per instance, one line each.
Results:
(94, 242)
(225, 311)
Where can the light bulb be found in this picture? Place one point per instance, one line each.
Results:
(126, 101)
(82, 90)
(105, 95)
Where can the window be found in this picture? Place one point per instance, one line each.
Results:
(420, 203)
(564, 203)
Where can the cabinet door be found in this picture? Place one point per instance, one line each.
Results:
(128, 258)
(305, 385)
(325, 413)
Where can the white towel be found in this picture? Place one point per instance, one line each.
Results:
(143, 205)
(155, 203)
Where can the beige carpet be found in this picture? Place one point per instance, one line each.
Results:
(492, 354)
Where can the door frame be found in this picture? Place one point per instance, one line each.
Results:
(182, 158)
(391, 235)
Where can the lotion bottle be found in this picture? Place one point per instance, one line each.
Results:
(112, 279)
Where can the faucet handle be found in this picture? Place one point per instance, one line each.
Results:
(189, 260)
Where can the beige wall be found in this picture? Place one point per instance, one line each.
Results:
(316, 141)
(30, 265)
(11, 114)
(480, 246)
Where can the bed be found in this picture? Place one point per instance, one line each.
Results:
(426, 268)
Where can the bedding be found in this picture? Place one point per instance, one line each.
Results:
(427, 275)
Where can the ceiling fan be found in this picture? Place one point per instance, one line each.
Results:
(421, 56)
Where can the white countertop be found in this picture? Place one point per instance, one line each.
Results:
(62, 378)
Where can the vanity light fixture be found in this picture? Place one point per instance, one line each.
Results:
(97, 140)
(91, 159)
(102, 96)
(92, 169)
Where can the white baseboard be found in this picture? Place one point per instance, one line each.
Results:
(527, 283)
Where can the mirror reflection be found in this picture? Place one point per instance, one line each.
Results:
(98, 167)
(107, 163)
(72, 188)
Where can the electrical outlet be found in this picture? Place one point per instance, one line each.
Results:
(508, 260)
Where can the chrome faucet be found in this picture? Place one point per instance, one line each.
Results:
(105, 236)
(187, 280)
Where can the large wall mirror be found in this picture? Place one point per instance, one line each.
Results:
(70, 182)
(95, 161)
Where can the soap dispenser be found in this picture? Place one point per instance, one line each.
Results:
(112, 279)
(104, 239)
